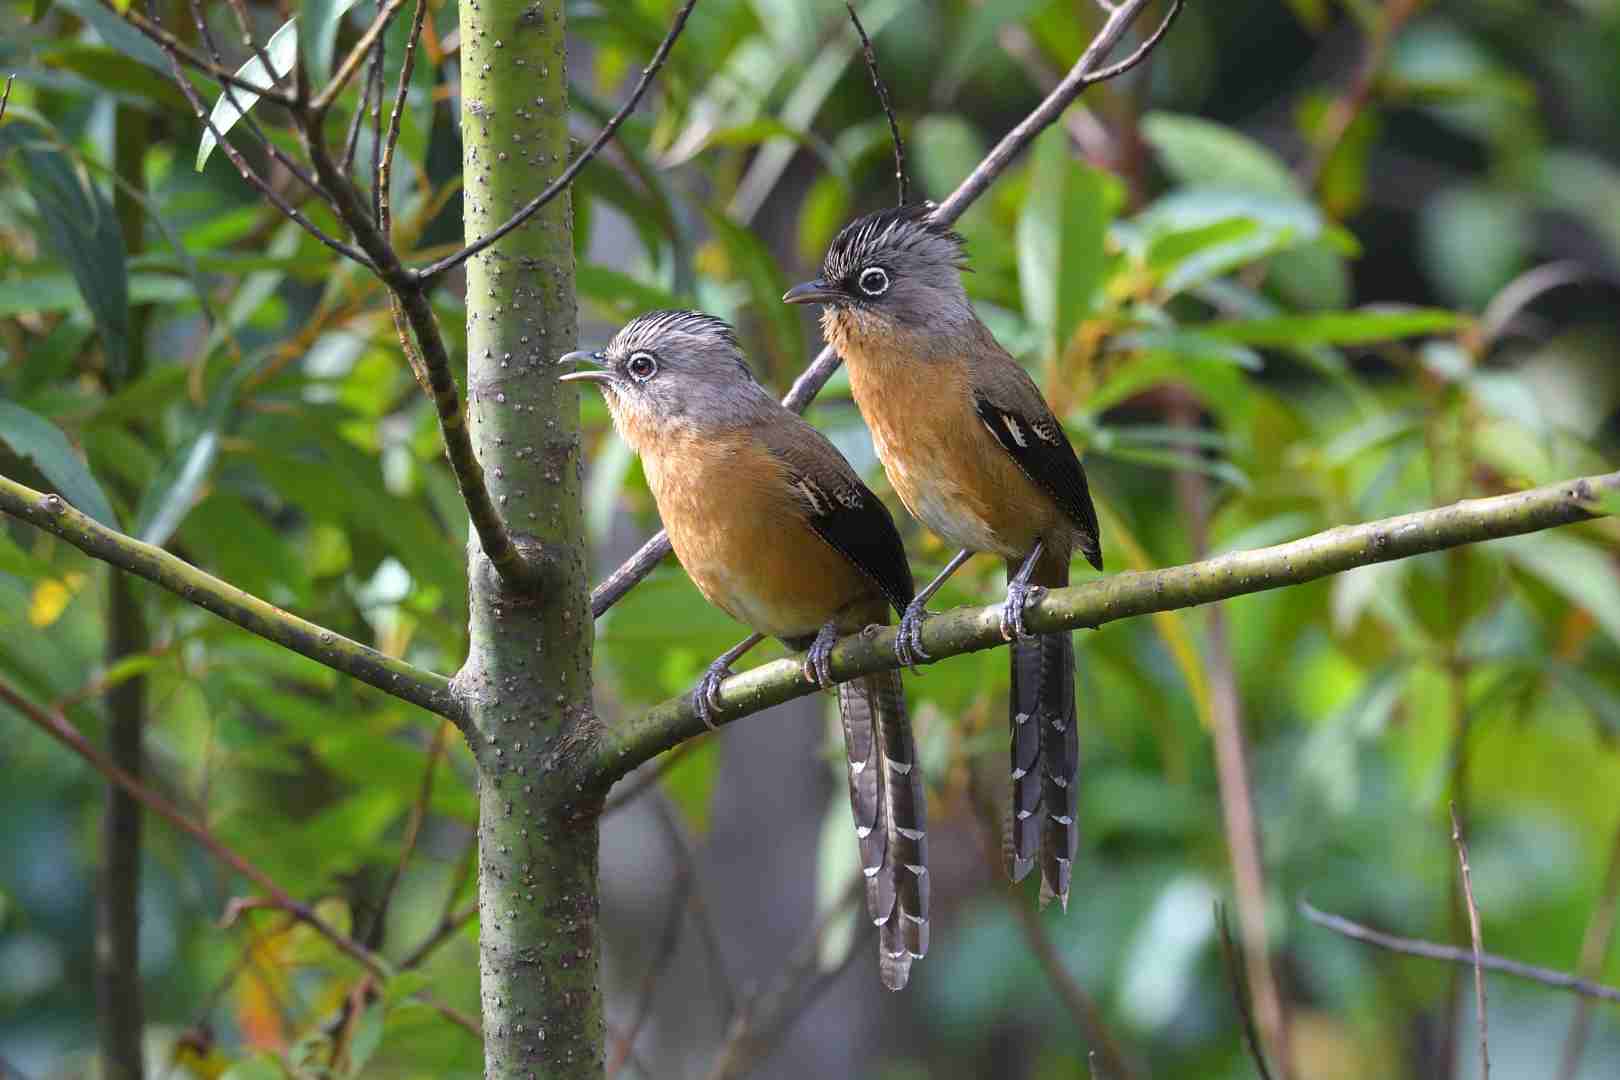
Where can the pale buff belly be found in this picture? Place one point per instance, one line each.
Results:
(951, 476)
(738, 534)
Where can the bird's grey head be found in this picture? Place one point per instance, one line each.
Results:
(669, 368)
(892, 268)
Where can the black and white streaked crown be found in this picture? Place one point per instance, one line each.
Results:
(882, 236)
(646, 329)
(653, 329)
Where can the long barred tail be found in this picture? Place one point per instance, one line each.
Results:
(886, 797)
(1042, 820)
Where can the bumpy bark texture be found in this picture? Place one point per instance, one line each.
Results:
(527, 685)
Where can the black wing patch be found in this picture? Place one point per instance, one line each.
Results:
(1042, 451)
(859, 527)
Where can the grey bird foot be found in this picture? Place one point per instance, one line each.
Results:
(1020, 594)
(706, 695)
(908, 647)
(817, 666)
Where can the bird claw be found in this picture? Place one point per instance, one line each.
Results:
(908, 647)
(1020, 595)
(817, 666)
(706, 695)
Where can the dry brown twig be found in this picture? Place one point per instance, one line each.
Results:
(1429, 950)
(1479, 949)
(1240, 991)
(566, 177)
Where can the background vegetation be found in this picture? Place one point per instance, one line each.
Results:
(1292, 273)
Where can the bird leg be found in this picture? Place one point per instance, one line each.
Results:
(706, 695)
(1019, 594)
(908, 648)
(817, 666)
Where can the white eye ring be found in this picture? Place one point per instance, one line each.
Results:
(641, 366)
(874, 281)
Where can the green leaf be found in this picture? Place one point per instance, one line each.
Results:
(59, 292)
(1577, 571)
(115, 71)
(1187, 344)
(42, 442)
(84, 232)
(119, 34)
(618, 294)
(173, 491)
(1365, 326)
(1060, 238)
(752, 261)
(233, 103)
(321, 19)
(1199, 152)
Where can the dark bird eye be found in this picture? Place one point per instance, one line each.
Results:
(642, 366)
(874, 281)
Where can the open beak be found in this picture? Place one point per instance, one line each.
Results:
(811, 292)
(593, 373)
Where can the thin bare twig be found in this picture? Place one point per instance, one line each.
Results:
(5, 95)
(357, 57)
(1079, 1004)
(431, 364)
(1479, 948)
(1084, 73)
(1594, 947)
(1241, 824)
(386, 170)
(244, 112)
(351, 141)
(446, 928)
(254, 180)
(413, 825)
(62, 730)
(566, 177)
(883, 100)
(249, 41)
(1557, 980)
(380, 55)
(179, 50)
(1240, 991)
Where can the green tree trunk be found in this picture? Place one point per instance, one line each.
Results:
(527, 682)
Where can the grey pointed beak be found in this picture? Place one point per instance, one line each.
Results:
(593, 373)
(811, 292)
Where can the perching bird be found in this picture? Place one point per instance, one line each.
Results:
(975, 453)
(776, 529)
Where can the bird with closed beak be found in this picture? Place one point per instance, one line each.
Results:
(777, 530)
(975, 453)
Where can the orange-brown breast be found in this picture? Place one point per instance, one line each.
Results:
(742, 537)
(948, 470)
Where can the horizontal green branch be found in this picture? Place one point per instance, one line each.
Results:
(392, 676)
(970, 629)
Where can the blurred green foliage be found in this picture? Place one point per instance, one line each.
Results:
(1267, 282)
